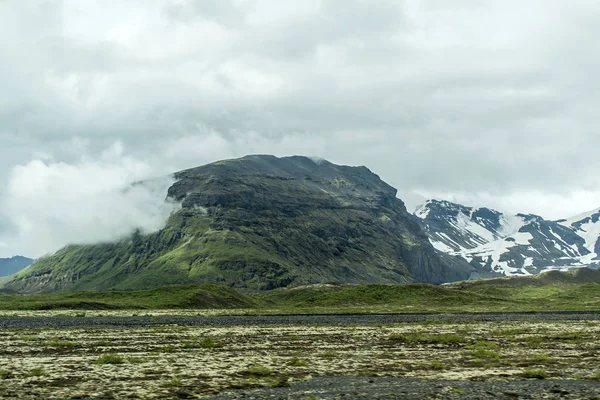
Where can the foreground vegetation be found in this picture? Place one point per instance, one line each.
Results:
(165, 362)
(555, 291)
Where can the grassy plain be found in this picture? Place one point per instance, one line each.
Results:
(496, 295)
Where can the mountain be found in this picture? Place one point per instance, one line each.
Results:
(261, 222)
(9, 266)
(511, 244)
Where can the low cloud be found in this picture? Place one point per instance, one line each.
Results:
(51, 204)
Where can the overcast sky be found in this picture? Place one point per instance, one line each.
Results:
(482, 102)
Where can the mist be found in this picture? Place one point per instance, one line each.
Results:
(51, 204)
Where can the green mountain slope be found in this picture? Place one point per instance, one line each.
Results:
(261, 222)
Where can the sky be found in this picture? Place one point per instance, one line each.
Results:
(484, 102)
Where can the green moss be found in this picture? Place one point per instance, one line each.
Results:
(446, 338)
(137, 360)
(36, 372)
(258, 371)
(534, 374)
(59, 343)
(205, 343)
(4, 374)
(297, 362)
(110, 359)
(432, 365)
(173, 383)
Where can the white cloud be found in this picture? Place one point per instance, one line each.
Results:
(52, 204)
(548, 205)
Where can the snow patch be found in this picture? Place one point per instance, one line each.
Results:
(423, 211)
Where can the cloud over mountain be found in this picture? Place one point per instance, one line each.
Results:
(468, 101)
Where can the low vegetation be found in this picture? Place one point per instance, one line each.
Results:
(110, 359)
(130, 365)
(535, 374)
(36, 372)
(547, 292)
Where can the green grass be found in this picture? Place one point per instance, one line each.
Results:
(540, 359)
(36, 372)
(258, 371)
(136, 360)
(328, 354)
(446, 338)
(205, 343)
(110, 359)
(173, 383)
(206, 296)
(515, 294)
(535, 374)
(432, 365)
(59, 343)
(297, 362)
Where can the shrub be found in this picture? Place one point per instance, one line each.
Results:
(39, 371)
(4, 374)
(206, 343)
(175, 382)
(328, 354)
(136, 360)
(445, 338)
(110, 359)
(59, 343)
(257, 370)
(540, 358)
(535, 374)
(297, 362)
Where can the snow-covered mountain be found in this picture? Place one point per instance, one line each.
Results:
(511, 244)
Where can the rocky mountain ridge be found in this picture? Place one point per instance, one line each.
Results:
(511, 244)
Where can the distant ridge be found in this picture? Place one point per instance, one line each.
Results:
(579, 276)
(9, 266)
(511, 244)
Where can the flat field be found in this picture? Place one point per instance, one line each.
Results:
(191, 360)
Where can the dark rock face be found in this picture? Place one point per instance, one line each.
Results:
(262, 222)
(9, 266)
(505, 244)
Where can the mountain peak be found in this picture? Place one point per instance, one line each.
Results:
(511, 244)
(252, 182)
(261, 222)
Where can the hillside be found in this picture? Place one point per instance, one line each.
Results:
(258, 223)
(550, 291)
(511, 244)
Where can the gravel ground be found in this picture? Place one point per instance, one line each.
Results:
(405, 356)
(16, 322)
(413, 389)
